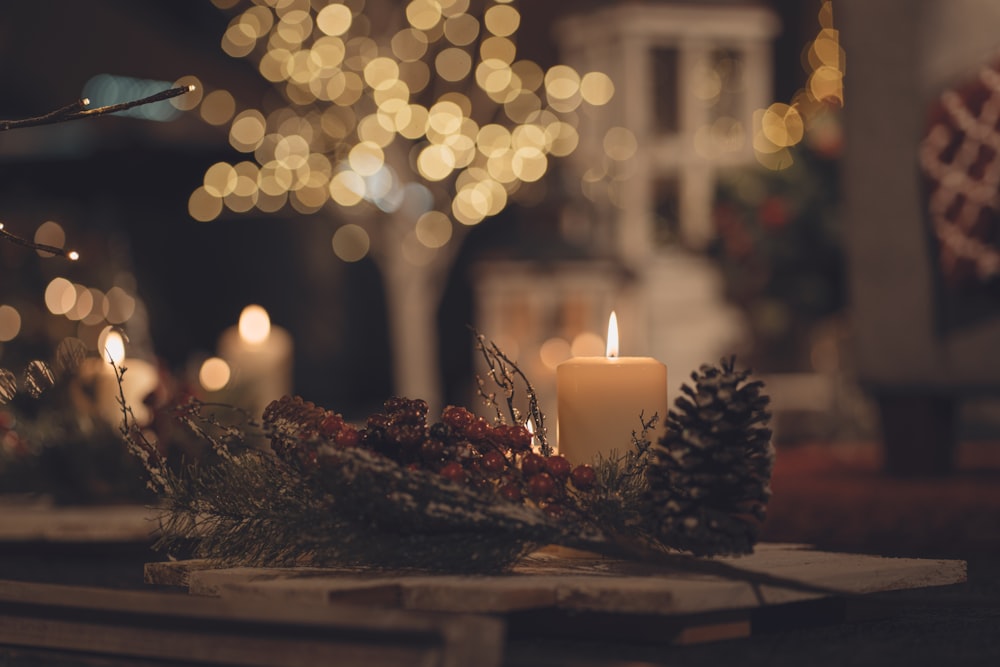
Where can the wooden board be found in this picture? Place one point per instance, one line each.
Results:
(181, 628)
(40, 522)
(646, 599)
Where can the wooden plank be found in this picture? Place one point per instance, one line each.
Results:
(557, 593)
(581, 583)
(185, 628)
(39, 522)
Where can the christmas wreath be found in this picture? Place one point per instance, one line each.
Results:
(463, 493)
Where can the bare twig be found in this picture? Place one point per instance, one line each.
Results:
(76, 110)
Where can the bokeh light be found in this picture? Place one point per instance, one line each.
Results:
(554, 351)
(588, 344)
(620, 143)
(351, 243)
(783, 126)
(217, 107)
(440, 100)
(254, 324)
(433, 229)
(214, 374)
(60, 296)
(111, 345)
(50, 233)
(10, 323)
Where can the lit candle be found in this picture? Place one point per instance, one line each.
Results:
(600, 399)
(260, 358)
(139, 380)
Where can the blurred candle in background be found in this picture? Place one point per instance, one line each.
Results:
(600, 399)
(139, 380)
(260, 358)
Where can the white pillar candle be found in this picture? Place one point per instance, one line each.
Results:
(600, 400)
(260, 356)
(140, 379)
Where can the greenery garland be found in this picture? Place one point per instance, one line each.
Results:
(459, 495)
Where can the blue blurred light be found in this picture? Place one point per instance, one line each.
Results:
(105, 89)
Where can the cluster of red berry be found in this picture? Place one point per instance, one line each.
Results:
(462, 447)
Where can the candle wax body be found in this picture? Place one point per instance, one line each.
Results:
(262, 372)
(600, 400)
(141, 379)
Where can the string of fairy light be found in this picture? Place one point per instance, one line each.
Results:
(782, 126)
(444, 98)
(95, 310)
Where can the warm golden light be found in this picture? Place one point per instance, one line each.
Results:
(502, 20)
(218, 107)
(334, 19)
(50, 233)
(112, 346)
(119, 305)
(82, 305)
(10, 323)
(597, 88)
(620, 143)
(783, 126)
(194, 96)
(60, 295)
(433, 229)
(612, 349)
(587, 344)
(247, 131)
(203, 206)
(372, 114)
(214, 374)
(351, 243)
(254, 325)
(553, 352)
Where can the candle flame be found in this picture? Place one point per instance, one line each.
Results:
(255, 324)
(114, 347)
(612, 335)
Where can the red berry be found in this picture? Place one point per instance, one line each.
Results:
(532, 464)
(454, 472)
(432, 450)
(541, 486)
(457, 418)
(493, 462)
(478, 430)
(348, 437)
(583, 477)
(519, 438)
(332, 423)
(379, 421)
(555, 510)
(558, 466)
(510, 492)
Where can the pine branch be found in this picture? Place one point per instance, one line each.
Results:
(78, 111)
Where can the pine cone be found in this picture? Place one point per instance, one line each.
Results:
(709, 475)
